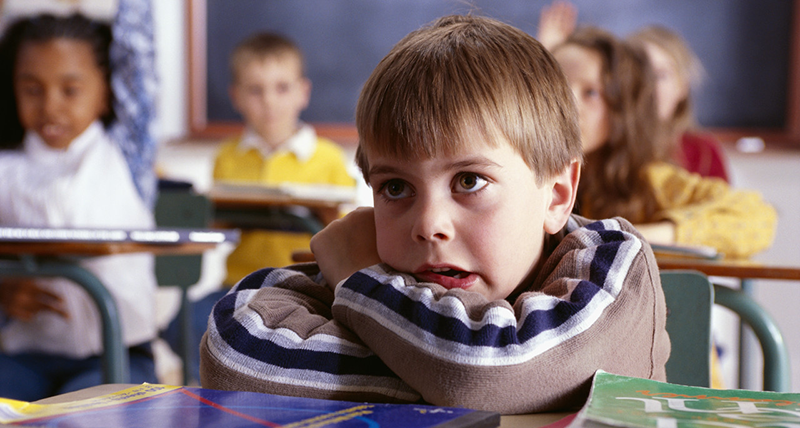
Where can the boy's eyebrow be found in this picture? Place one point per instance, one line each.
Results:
(459, 164)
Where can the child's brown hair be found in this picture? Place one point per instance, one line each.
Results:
(467, 74)
(612, 181)
(261, 46)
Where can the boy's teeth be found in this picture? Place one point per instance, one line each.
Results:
(437, 270)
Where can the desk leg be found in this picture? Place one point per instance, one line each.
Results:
(115, 356)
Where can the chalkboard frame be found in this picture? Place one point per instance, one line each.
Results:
(202, 127)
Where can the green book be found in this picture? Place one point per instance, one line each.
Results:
(621, 401)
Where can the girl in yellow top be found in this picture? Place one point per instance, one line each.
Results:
(614, 89)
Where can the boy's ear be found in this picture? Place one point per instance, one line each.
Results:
(306, 89)
(565, 190)
(234, 97)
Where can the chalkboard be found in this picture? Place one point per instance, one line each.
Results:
(744, 45)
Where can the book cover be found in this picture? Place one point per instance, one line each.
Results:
(621, 401)
(152, 406)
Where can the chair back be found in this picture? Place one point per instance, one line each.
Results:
(181, 207)
(689, 298)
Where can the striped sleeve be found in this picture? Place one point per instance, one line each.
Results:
(273, 333)
(475, 345)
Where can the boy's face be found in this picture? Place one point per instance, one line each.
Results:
(475, 220)
(270, 94)
(59, 90)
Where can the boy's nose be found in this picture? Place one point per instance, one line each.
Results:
(433, 223)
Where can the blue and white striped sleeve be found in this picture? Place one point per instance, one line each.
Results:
(134, 84)
(273, 333)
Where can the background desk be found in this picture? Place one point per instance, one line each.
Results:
(266, 207)
(43, 258)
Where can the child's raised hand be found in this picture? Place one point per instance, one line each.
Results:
(346, 246)
(556, 23)
(22, 299)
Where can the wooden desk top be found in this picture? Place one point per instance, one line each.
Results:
(744, 269)
(237, 195)
(506, 421)
(100, 248)
(97, 242)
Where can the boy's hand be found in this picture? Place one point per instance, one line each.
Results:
(22, 299)
(346, 246)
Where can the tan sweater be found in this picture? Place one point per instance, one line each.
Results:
(597, 304)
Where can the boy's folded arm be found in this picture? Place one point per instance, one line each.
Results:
(600, 307)
(273, 333)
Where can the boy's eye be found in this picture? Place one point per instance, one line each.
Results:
(396, 189)
(71, 91)
(470, 182)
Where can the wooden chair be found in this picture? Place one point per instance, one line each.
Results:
(689, 296)
(181, 207)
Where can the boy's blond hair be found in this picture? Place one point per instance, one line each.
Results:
(465, 74)
(261, 46)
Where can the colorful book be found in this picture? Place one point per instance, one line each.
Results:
(153, 406)
(621, 401)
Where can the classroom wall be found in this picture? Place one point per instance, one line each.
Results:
(774, 173)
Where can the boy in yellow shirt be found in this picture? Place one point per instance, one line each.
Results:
(270, 90)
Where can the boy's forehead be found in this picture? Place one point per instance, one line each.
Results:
(255, 63)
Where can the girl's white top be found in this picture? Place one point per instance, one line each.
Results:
(89, 185)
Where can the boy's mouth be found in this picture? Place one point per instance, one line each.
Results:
(452, 273)
(447, 277)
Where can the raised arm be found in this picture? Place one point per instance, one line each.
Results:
(600, 307)
(134, 84)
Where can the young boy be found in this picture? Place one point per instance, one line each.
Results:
(270, 90)
(469, 283)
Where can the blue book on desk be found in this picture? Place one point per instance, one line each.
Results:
(152, 406)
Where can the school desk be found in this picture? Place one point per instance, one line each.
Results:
(252, 205)
(50, 252)
(506, 421)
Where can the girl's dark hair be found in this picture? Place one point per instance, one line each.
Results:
(40, 29)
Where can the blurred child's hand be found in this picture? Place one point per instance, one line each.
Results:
(346, 246)
(556, 23)
(22, 299)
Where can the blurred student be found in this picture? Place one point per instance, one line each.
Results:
(270, 90)
(677, 69)
(623, 176)
(73, 153)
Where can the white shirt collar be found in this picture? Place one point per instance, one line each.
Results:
(35, 146)
(302, 144)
